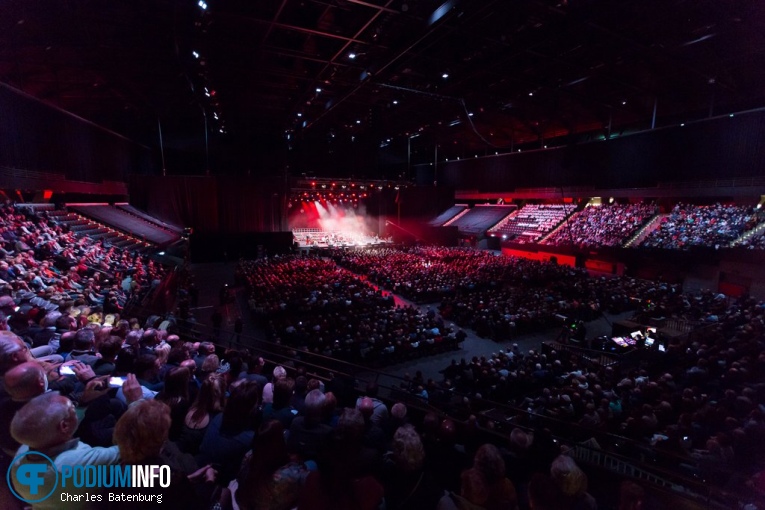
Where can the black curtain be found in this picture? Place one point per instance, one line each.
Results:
(215, 204)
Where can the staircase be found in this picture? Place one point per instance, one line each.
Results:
(756, 231)
(82, 226)
(644, 232)
(560, 226)
(460, 215)
(504, 221)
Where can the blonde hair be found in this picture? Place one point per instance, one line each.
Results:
(142, 430)
(569, 478)
(162, 351)
(408, 452)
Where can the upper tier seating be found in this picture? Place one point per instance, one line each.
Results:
(136, 212)
(447, 215)
(715, 226)
(481, 218)
(604, 225)
(125, 221)
(533, 221)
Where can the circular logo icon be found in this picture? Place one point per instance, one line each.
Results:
(29, 478)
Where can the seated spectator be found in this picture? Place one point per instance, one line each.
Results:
(339, 483)
(407, 486)
(230, 433)
(22, 383)
(47, 424)
(307, 433)
(379, 410)
(631, 496)
(268, 390)
(175, 395)
(208, 404)
(269, 481)
(572, 483)
(109, 349)
(84, 347)
(141, 434)
(280, 408)
(543, 493)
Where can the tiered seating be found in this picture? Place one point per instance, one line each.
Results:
(605, 225)
(532, 222)
(481, 218)
(756, 242)
(714, 226)
(126, 222)
(447, 215)
(136, 212)
(82, 226)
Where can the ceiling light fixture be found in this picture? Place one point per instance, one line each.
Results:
(352, 56)
(445, 76)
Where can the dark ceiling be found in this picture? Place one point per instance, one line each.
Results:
(472, 76)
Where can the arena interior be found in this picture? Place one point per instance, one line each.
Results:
(383, 254)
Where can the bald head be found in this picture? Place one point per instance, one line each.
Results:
(25, 381)
(367, 407)
(398, 411)
(45, 421)
(13, 351)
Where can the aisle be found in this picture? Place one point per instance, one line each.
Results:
(209, 279)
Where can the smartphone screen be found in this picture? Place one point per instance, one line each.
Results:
(116, 382)
(66, 370)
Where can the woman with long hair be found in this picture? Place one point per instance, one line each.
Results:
(209, 403)
(176, 395)
(230, 434)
